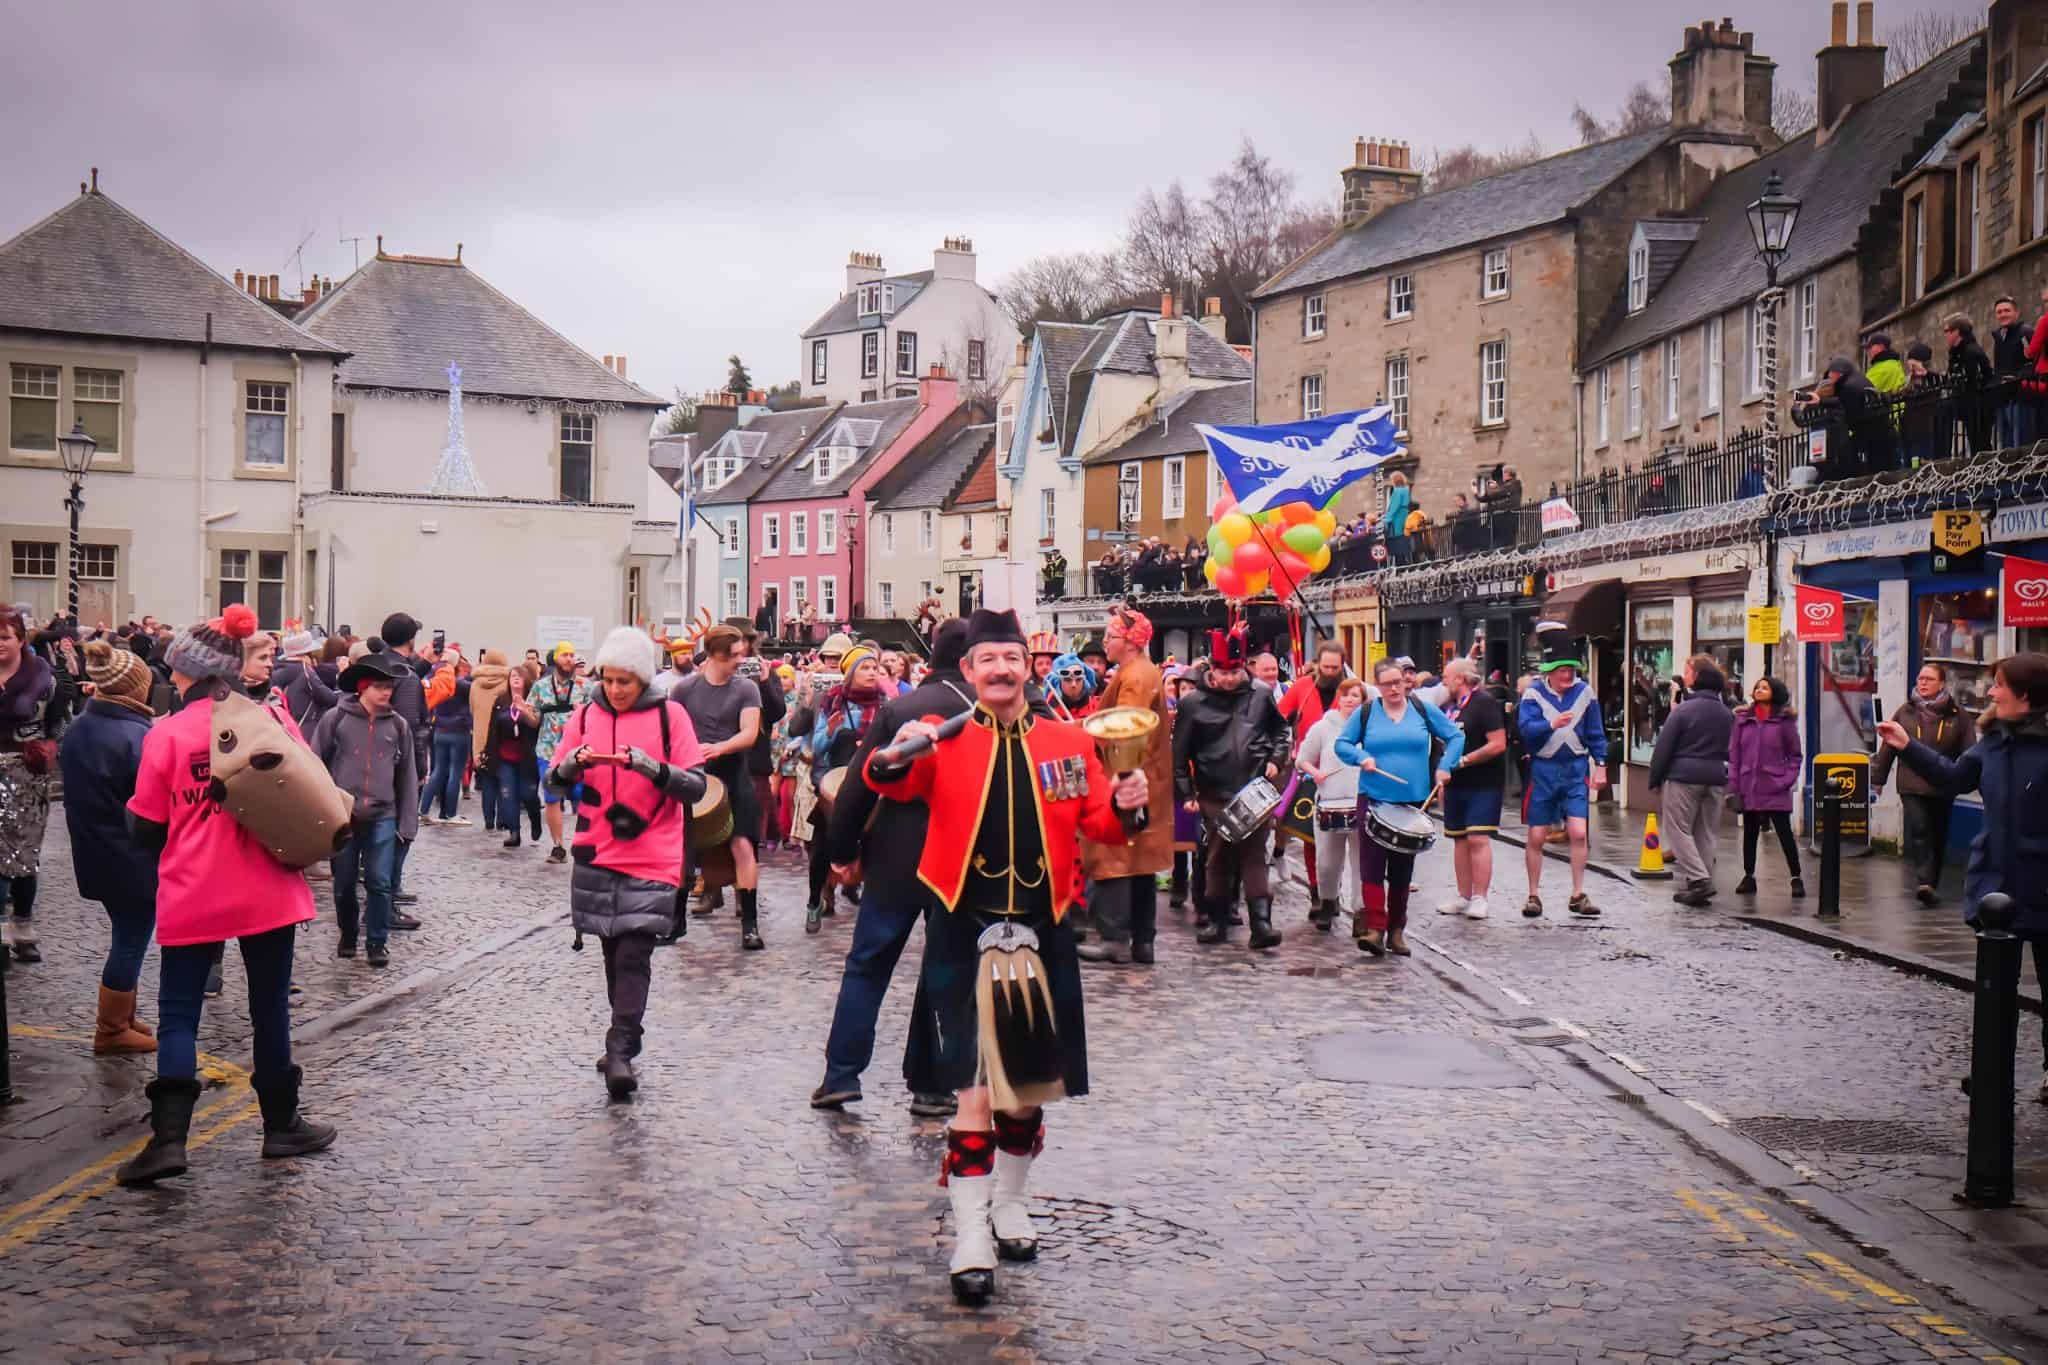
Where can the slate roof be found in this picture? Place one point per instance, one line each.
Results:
(94, 269)
(978, 492)
(938, 471)
(1498, 206)
(768, 442)
(792, 481)
(1173, 433)
(1125, 343)
(407, 317)
(1061, 344)
(1839, 183)
(845, 315)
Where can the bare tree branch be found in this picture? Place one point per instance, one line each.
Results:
(1920, 37)
(1448, 169)
(1794, 110)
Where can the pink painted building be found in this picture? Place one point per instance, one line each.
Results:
(804, 526)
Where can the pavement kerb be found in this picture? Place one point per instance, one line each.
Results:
(2010, 1292)
(1928, 967)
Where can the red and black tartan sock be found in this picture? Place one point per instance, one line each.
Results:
(1021, 1134)
(968, 1153)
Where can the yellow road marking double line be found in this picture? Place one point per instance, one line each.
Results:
(24, 1222)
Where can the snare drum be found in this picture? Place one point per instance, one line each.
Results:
(1248, 811)
(828, 791)
(1398, 828)
(1337, 814)
(710, 818)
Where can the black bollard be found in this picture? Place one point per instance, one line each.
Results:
(1994, 1039)
(1830, 906)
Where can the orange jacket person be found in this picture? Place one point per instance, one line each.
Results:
(1010, 796)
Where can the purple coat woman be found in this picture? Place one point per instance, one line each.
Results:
(1764, 760)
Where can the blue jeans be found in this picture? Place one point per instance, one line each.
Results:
(451, 758)
(132, 921)
(487, 795)
(879, 935)
(370, 856)
(2015, 425)
(267, 961)
(517, 791)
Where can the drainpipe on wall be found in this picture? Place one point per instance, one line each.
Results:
(297, 571)
(1578, 427)
(199, 469)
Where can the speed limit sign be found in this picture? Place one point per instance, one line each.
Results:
(1379, 552)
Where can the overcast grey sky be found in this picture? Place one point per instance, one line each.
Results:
(679, 181)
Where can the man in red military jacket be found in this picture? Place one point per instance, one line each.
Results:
(1010, 795)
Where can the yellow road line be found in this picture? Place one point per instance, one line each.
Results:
(1862, 1281)
(1724, 1229)
(1734, 1203)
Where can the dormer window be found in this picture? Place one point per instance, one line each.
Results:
(1638, 275)
(830, 460)
(877, 298)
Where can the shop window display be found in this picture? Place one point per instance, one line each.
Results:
(1720, 626)
(1848, 678)
(1650, 670)
(1960, 630)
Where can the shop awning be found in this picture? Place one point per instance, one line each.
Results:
(1588, 608)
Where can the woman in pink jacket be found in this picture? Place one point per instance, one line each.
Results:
(635, 756)
(215, 882)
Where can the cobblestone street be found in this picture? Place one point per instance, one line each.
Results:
(1302, 1156)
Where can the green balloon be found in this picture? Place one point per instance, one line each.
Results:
(1304, 538)
(1219, 548)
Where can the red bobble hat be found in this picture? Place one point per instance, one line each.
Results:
(214, 648)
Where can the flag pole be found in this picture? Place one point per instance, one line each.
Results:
(1308, 612)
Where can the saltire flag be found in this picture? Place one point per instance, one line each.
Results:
(1301, 461)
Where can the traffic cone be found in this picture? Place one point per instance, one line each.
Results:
(1650, 865)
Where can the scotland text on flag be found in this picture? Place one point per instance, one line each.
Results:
(1302, 461)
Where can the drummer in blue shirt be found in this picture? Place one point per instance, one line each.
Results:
(1388, 742)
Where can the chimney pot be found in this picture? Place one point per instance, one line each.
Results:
(273, 287)
(458, 253)
(95, 180)
(608, 362)
(1866, 23)
(1838, 24)
(622, 367)
(1212, 306)
(380, 244)
(238, 279)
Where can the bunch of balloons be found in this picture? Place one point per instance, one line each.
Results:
(1277, 549)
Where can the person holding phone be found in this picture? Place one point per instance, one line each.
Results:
(1933, 718)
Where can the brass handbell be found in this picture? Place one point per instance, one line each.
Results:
(1123, 734)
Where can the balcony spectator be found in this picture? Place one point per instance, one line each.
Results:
(1503, 499)
(1192, 556)
(1055, 575)
(1973, 380)
(1109, 573)
(1882, 368)
(1394, 524)
(2010, 351)
(2034, 386)
(1921, 409)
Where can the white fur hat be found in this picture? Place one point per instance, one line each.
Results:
(632, 650)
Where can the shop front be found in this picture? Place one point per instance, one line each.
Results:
(1426, 632)
(1498, 618)
(1356, 616)
(1643, 619)
(1901, 611)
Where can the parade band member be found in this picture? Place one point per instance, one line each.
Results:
(1336, 785)
(1388, 742)
(835, 737)
(725, 712)
(1559, 721)
(1306, 701)
(1123, 886)
(1227, 733)
(215, 881)
(633, 755)
(1010, 796)
(884, 839)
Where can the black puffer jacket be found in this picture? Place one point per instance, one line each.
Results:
(889, 852)
(1222, 740)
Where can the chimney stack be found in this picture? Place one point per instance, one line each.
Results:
(1212, 317)
(1381, 174)
(308, 293)
(862, 267)
(954, 260)
(1849, 73)
(1170, 348)
(1719, 84)
(621, 367)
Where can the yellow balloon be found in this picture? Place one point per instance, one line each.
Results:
(1255, 583)
(1209, 571)
(1320, 560)
(1236, 528)
(1326, 522)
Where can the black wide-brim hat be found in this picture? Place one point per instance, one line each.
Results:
(374, 667)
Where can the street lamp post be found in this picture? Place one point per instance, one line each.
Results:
(1772, 216)
(76, 450)
(1126, 498)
